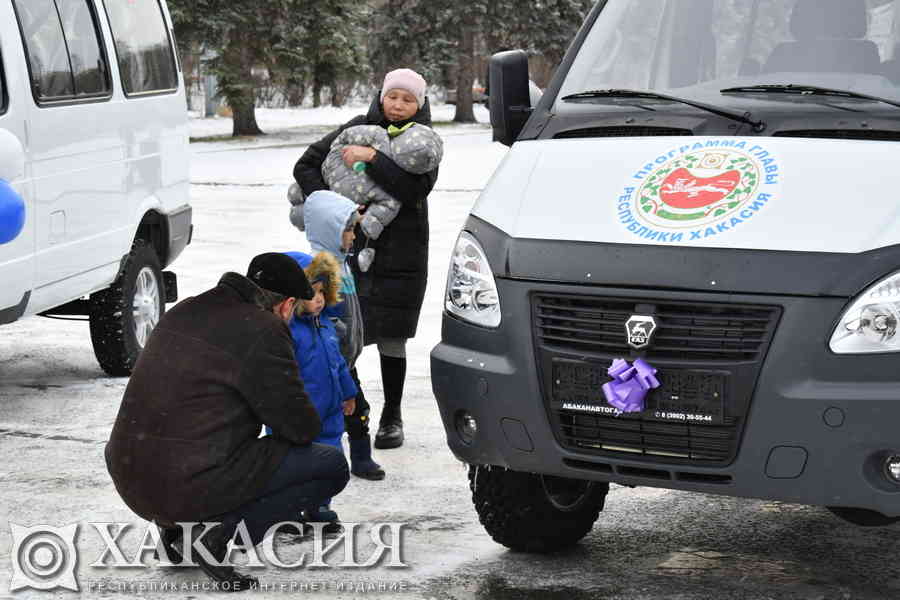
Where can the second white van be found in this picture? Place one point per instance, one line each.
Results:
(94, 141)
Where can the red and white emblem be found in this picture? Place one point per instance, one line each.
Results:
(682, 189)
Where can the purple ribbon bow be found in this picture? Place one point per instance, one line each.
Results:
(630, 385)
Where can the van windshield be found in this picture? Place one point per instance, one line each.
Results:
(696, 48)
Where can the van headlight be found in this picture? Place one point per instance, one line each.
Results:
(870, 324)
(471, 291)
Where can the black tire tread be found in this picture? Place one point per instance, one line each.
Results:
(516, 513)
(115, 347)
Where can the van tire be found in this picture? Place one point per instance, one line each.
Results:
(117, 343)
(519, 512)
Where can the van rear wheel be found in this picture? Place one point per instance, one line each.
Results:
(535, 513)
(123, 315)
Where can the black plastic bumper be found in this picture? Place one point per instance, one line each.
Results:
(181, 230)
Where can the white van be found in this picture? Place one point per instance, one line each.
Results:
(686, 272)
(94, 139)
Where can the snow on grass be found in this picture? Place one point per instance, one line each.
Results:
(272, 120)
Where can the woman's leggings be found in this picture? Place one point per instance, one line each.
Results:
(393, 347)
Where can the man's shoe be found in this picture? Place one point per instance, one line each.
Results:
(323, 514)
(390, 435)
(361, 463)
(292, 535)
(330, 529)
(216, 543)
(171, 540)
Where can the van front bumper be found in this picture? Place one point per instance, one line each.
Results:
(816, 430)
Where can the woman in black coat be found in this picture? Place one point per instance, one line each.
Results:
(392, 290)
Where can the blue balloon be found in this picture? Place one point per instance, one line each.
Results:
(12, 213)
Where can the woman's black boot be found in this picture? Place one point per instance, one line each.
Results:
(390, 427)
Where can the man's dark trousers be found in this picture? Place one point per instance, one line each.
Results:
(306, 477)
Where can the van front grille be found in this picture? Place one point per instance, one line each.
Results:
(697, 443)
(693, 331)
(708, 356)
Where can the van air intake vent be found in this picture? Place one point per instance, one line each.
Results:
(843, 134)
(623, 131)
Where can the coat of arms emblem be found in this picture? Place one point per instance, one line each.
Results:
(698, 188)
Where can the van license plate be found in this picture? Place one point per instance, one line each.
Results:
(684, 396)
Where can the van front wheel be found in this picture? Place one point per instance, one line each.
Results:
(535, 513)
(123, 315)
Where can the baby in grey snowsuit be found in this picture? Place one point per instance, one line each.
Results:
(415, 148)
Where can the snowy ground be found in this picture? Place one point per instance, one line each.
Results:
(280, 119)
(56, 410)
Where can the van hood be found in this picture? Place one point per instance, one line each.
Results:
(761, 193)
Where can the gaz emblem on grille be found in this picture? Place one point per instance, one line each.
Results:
(640, 329)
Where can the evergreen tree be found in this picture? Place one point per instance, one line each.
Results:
(301, 42)
(332, 44)
(325, 47)
(547, 27)
(443, 36)
(243, 33)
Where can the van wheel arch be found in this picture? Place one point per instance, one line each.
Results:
(154, 229)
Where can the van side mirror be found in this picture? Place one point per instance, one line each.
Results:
(510, 98)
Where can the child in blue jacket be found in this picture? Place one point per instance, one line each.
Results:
(329, 220)
(323, 369)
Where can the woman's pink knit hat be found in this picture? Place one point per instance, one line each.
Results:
(405, 79)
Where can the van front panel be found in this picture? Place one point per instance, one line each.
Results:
(793, 421)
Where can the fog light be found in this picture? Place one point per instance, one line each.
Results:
(467, 428)
(892, 468)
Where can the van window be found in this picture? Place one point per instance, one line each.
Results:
(83, 41)
(143, 46)
(694, 48)
(51, 77)
(65, 56)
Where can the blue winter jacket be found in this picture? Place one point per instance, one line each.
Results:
(324, 371)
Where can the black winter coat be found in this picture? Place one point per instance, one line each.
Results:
(185, 445)
(391, 292)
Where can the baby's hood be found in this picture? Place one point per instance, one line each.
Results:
(326, 214)
(419, 147)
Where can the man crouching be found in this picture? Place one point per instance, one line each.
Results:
(185, 446)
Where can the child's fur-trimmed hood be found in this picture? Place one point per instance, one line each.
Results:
(325, 265)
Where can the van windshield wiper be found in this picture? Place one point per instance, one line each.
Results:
(807, 90)
(744, 117)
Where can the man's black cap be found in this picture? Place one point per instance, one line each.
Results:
(281, 274)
